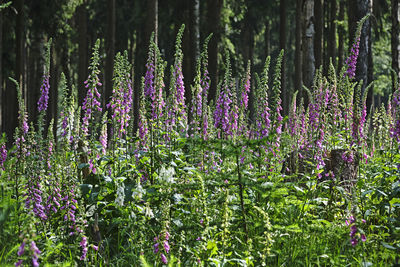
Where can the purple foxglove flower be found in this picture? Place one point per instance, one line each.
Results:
(3, 155)
(164, 259)
(83, 244)
(21, 249)
(44, 97)
(166, 246)
(351, 61)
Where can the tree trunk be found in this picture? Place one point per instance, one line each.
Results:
(1, 74)
(365, 39)
(191, 45)
(282, 45)
(352, 20)
(213, 18)
(370, 70)
(110, 52)
(331, 40)
(247, 36)
(395, 42)
(341, 33)
(319, 27)
(308, 47)
(82, 51)
(298, 83)
(53, 92)
(267, 37)
(20, 40)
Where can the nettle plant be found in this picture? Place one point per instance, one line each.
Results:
(204, 183)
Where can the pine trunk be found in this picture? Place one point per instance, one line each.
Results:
(297, 65)
(331, 40)
(341, 34)
(319, 27)
(308, 47)
(213, 18)
(110, 51)
(282, 45)
(395, 42)
(82, 51)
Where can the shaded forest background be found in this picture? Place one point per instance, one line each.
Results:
(312, 32)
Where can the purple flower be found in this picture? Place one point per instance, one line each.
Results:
(91, 101)
(18, 263)
(164, 259)
(84, 246)
(363, 238)
(44, 97)
(245, 97)
(351, 61)
(103, 138)
(21, 249)
(3, 155)
(166, 246)
(34, 197)
(35, 254)
(156, 248)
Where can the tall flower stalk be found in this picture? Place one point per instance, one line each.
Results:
(91, 102)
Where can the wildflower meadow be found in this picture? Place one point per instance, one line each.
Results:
(203, 183)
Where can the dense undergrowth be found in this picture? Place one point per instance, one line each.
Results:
(209, 184)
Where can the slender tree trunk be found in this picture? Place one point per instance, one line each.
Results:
(34, 75)
(370, 71)
(110, 51)
(213, 19)
(282, 45)
(395, 42)
(298, 83)
(341, 33)
(53, 92)
(331, 40)
(1, 74)
(247, 36)
(191, 45)
(319, 27)
(82, 51)
(20, 40)
(267, 37)
(308, 47)
(352, 8)
(365, 39)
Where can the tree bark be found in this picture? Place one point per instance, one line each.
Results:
(282, 45)
(308, 47)
(213, 17)
(110, 52)
(331, 40)
(53, 92)
(1, 73)
(298, 83)
(370, 69)
(341, 33)
(267, 37)
(82, 51)
(395, 42)
(319, 27)
(20, 40)
(365, 38)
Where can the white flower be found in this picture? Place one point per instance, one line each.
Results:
(119, 200)
(148, 212)
(167, 175)
(138, 192)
